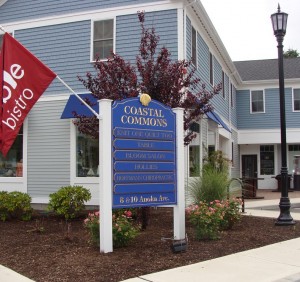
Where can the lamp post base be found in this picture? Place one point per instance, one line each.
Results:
(285, 216)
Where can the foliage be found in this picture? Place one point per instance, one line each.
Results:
(209, 219)
(232, 212)
(218, 161)
(69, 201)
(291, 53)
(15, 205)
(123, 228)
(213, 181)
(173, 83)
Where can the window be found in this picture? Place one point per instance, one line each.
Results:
(87, 156)
(211, 69)
(257, 101)
(194, 160)
(194, 47)
(296, 99)
(267, 159)
(223, 84)
(103, 39)
(12, 165)
(231, 96)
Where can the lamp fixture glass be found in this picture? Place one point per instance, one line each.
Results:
(279, 22)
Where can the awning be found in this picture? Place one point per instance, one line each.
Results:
(216, 118)
(75, 105)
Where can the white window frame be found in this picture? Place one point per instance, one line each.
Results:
(294, 110)
(92, 57)
(264, 101)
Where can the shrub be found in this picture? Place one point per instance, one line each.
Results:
(210, 219)
(4, 214)
(123, 228)
(206, 220)
(15, 205)
(68, 201)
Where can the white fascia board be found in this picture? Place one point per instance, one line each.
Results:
(272, 83)
(267, 136)
(91, 15)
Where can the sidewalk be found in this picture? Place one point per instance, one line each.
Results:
(273, 263)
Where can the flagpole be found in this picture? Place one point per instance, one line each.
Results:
(84, 102)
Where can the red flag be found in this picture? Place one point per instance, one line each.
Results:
(24, 79)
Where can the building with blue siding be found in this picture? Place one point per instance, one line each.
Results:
(66, 35)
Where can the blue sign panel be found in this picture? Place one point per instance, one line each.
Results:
(122, 155)
(144, 154)
(162, 177)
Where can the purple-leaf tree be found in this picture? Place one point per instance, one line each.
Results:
(170, 82)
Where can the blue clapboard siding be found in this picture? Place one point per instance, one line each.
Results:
(219, 102)
(48, 148)
(234, 109)
(65, 48)
(271, 117)
(128, 33)
(14, 10)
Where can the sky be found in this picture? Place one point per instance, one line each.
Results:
(245, 27)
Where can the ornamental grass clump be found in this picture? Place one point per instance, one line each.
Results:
(209, 219)
(124, 229)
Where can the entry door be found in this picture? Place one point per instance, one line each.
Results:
(249, 174)
(249, 166)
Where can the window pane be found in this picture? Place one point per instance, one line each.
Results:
(87, 156)
(12, 165)
(194, 162)
(103, 29)
(103, 49)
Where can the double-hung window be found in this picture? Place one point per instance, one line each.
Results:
(257, 101)
(103, 39)
(296, 100)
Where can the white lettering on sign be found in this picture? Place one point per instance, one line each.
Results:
(16, 72)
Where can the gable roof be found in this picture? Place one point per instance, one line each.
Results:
(267, 69)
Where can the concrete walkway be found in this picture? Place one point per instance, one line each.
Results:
(273, 263)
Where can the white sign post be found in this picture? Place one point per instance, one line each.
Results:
(105, 176)
(179, 209)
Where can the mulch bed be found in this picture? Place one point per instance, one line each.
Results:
(49, 256)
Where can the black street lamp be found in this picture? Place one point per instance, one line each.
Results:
(279, 21)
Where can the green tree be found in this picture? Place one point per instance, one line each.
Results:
(291, 53)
